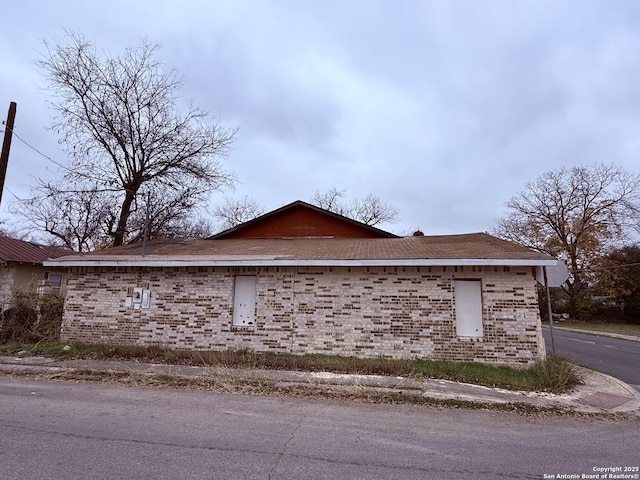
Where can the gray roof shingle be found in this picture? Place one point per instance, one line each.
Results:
(480, 246)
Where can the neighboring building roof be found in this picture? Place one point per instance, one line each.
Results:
(301, 219)
(468, 249)
(13, 250)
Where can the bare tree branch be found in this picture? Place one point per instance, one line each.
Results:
(118, 117)
(369, 210)
(234, 212)
(76, 215)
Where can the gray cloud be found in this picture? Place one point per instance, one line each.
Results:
(444, 109)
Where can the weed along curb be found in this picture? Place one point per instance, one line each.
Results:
(555, 374)
(359, 388)
(598, 394)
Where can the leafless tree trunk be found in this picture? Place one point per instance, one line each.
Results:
(119, 120)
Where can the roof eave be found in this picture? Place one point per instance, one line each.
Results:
(286, 262)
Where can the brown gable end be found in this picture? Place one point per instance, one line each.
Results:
(300, 219)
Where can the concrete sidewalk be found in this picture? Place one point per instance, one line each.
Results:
(599, 394)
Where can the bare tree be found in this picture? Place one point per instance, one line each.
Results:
(234, 212)
(575, 214)
(76, 215)
(369, 210)
(119, 119)
(373, 211)
(196, 227)
(12, 231)
(162, 214)
(332, 200)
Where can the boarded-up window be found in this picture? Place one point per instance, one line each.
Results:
(468, 298)
(244, 301)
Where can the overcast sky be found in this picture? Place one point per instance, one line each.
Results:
(444, 109)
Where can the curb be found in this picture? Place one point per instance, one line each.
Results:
(624, 386)
(592, 332)
(600, 393)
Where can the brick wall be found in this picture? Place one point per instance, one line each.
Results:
(400, 312)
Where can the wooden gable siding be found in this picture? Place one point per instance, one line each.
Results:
(301, 221)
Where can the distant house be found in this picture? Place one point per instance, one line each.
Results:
(304, 280)
(21, 268)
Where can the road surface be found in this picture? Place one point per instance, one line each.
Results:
(87, 431)
(614, 356)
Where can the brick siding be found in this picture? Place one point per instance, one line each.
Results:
(395, 312)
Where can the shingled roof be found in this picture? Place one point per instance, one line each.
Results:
(13, 250)
(468, 249)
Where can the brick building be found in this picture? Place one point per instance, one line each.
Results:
(304, 280)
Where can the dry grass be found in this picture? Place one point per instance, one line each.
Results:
(554, 374)
(218, 381)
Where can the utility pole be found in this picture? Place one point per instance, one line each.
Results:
(6, 145)
(546, 286)
(146, 226)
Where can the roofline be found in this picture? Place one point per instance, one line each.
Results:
(240, 226)
(391, 262)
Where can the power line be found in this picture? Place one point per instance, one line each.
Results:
(9, 190)
(603, 267)
(64, 167)
(39, 152)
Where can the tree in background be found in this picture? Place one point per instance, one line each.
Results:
(12, 232)
(81, 216)
(162, 214)
(234, 212)
(119, 120)
(76, 215)
(575, 214)
(619, 280)
(369, 210)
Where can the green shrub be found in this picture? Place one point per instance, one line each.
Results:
(555, 374)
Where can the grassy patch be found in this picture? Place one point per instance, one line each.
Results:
(606, 327)
(554, 374)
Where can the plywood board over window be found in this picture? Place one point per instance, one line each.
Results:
(244, 301)
(468, 304)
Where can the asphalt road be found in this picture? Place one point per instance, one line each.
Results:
(613, 356)
(87, 431)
